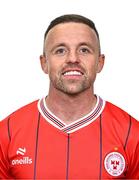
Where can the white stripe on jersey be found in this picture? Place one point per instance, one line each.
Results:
(76, 125)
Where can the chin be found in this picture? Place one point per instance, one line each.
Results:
(73, 91)
(73, 88)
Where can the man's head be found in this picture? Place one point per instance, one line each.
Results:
(72, 18)
(71, 54)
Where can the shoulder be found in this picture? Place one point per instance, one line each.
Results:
(116, 111)
(21, 114)
(120, 116)
(18, 121)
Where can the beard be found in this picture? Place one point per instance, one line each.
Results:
(72, 86)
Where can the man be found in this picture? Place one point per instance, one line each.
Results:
(72, 133)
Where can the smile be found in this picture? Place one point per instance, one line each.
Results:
(72, 73)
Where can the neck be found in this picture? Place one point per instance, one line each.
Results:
(69, 108)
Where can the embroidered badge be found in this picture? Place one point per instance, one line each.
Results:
(114, 163)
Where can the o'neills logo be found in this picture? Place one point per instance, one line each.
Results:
(24, 160)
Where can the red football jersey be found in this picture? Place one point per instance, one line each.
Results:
(35, 144)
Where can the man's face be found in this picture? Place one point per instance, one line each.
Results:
(71, 57)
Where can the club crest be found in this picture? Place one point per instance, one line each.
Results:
(114, 163)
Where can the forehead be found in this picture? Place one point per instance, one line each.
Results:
(71, 31)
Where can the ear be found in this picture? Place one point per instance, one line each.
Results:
(44, 65)
(101, 60)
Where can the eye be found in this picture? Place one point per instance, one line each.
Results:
(60, 51)
(84, 50)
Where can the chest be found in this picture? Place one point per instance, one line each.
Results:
(46, 152)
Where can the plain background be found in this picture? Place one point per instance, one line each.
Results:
(22, 26)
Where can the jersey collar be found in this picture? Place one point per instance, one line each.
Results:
(76, 125)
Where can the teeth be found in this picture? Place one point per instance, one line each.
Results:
(72, 73)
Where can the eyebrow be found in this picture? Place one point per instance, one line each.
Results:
(80, 44)
(86, 44)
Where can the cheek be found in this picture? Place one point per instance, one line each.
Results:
(56, 64)
(91, 68)
(53, 69)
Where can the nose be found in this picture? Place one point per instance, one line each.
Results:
(72, 57)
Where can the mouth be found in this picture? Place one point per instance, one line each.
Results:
(73, 73)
